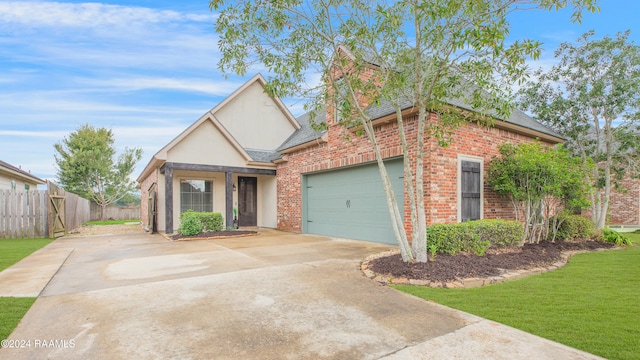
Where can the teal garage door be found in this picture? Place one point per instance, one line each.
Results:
(351, 203)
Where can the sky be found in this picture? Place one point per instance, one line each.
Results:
(147, 69)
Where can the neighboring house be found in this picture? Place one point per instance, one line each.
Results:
(14, 178)
(296, 179)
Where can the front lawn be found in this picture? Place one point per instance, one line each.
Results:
(14, 250)
(590, 304)
(13, 309)
(11, 312)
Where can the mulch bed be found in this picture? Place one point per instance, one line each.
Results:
(214, 234)
(446, 268)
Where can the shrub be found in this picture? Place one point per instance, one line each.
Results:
(190, 223)
(615, 237)
(499, 233)
(575, 227)
(473, 236)
(211, 221)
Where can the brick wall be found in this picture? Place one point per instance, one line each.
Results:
(624, 207)
(344, 147)
(289, 184)
(442, 192)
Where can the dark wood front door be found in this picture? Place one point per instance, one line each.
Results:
(247, 201)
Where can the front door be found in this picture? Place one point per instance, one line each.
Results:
(247, 201)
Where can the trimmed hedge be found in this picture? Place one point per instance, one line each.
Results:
(473, 236)
(575, 227)
(193, 223)
(212, 221)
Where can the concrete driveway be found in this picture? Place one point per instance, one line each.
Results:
(272, 296)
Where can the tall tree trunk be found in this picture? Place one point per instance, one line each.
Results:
(419, 238)
(396, 217)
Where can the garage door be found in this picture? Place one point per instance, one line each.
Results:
(351, 203)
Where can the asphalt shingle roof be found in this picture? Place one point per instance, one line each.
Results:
(263, 155)
(306, 133)
(22, 172)
(517, 117)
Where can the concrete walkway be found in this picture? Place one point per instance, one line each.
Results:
(273, 296)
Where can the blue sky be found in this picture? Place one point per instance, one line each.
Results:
(147, 69)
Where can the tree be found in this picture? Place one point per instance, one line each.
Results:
(86, 166)
(540, 182)
(129, 199)
(592, 97)
(426, 53)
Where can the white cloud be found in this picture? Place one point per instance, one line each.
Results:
(66, 34)
(88, 15)
(217, 88)
(34, 134)
(72, 101)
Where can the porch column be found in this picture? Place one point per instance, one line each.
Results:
(228, 199)
(168, 198)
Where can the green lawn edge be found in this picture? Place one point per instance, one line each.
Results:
(589, 304)
(14, 250)
(13, 309)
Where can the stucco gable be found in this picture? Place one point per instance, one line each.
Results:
(255, 119)
(271, 123)
(208, 144)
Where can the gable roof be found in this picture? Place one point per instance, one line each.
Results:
(19, 173)
(251, 157)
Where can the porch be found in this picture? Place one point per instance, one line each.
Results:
(252, 191)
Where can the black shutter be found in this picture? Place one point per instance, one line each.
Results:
(470, 186)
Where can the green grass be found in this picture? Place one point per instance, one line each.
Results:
(110, 222)
(14, 250)
(13, 309)
(590, 304)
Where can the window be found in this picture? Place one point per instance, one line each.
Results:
(196, 195)
(470, 192)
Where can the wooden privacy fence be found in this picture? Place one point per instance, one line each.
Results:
(41, 213)
(77, 211)
(112, 212)
(24, 214)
